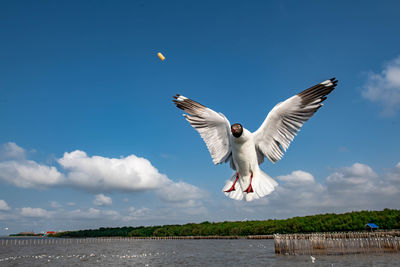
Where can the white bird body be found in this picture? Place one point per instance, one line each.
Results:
(244, 153)
(244, 157)
(245, 150)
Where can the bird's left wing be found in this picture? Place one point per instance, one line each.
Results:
(213, 127)
(286, 118)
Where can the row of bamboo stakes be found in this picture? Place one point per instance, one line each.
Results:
(337, 243)
(22, 241)
(287, 244)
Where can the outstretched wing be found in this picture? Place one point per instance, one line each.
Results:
(286, 118)
(213, 127)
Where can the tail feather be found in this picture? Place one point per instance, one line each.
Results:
(262, 185)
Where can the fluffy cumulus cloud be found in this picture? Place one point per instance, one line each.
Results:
(355, 187)
(384, 87)
(28, 173)
(297, 177)
(296, 191)
(95, 174)
(357, 178)
(3, 205)
(102, 174)
(17, 170)
(102, 200)
(393, 176)
(11, 150)
(359, 187)
(348, 188)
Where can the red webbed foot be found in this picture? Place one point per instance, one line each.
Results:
(250, 188)
(233, 186)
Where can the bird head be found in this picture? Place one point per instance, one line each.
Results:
(236, 130)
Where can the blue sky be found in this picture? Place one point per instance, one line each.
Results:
(86, 111)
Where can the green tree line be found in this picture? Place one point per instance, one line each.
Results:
(330, 222)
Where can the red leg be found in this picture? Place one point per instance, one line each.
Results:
(233, 186)
(250, 188)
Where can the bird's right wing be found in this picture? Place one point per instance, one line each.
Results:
(213, 127)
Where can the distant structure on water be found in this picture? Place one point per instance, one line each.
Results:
(337, 243)
(51, 232)
(371, 227)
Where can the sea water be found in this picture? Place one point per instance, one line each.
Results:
(129, 252)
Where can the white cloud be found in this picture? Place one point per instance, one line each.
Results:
(102, 200)
(55, 204)
(180, 192)
(11, 150)
(28, 173)
(394, 176)
(131, 209)
(182, 199)
(360, 187)
(35, 212)
(352, 179)
(297, 177)
(356, 187)
(384, 88)
(95, 174)
(296, 191)
(102, 174)
(3, 205)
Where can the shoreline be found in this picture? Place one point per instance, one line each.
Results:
(339, 235)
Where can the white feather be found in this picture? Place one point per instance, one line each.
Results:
(327, 83)
(283, 122)
(213, 127)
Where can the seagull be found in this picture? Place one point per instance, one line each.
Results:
(312, 259)
(245, 150)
